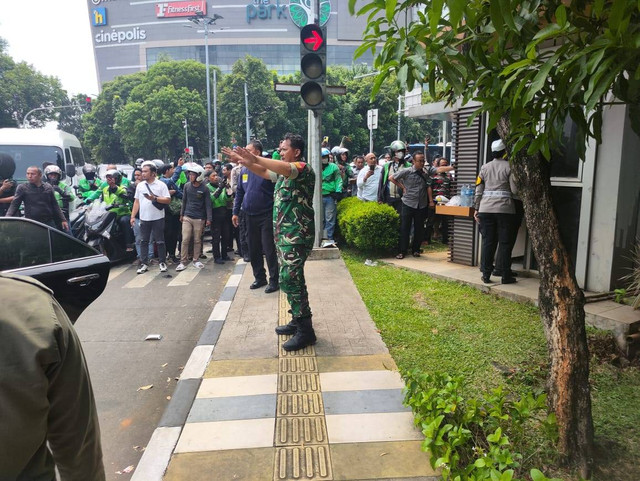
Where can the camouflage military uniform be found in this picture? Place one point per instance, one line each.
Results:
(294, 232)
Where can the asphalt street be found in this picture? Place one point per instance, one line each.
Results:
(123, 365)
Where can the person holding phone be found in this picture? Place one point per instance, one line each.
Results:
(369, 178)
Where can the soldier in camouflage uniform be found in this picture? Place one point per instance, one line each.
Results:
(294, 228)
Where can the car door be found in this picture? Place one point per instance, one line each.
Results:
(76, 273)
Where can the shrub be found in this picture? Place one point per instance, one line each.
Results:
(474, 439)
(369, 226)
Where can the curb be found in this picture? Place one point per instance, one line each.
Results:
(156, 457)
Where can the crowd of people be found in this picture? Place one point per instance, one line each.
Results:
(399, 179)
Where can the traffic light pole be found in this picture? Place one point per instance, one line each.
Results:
(313, 149)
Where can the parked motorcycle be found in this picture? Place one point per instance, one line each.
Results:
(99, 229)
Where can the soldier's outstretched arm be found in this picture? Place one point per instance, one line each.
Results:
(280, 167)
(246, 161)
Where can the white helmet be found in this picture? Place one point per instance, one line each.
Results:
(149, 163)
(196, 169)
(53, 169)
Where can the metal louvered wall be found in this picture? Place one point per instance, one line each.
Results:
(467, 141)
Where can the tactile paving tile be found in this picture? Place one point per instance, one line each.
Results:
(306, 352)
(298, 364)
(301, 429)
(295, 431)
(298, 383)
(308, 404)
(310, 463)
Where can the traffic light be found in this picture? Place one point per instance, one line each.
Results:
(87, 105)
(313, 66)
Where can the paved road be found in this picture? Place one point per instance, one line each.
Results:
(113, 330)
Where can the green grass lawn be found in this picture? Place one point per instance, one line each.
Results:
(440, 326)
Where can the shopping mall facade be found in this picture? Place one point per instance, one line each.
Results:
(131, 35)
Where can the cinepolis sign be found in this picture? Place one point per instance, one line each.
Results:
(180, 9)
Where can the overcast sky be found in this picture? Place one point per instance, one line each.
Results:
(54, 37)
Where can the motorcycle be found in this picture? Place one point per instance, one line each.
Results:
(99, 229)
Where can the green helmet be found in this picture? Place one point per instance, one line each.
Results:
(397, 145)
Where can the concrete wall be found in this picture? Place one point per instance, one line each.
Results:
(616, 199)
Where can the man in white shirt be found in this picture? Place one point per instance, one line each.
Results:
(368, 179)
(150, 198)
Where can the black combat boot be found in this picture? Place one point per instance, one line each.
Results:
(304, 336)
(287, 329)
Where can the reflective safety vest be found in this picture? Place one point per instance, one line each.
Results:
(117, 197)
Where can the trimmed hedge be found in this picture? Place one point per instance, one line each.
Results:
(369, 226)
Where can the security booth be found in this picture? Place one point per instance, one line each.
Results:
(598, 209)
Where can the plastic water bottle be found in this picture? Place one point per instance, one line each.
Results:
(467, 195)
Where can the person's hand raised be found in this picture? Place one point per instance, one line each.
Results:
(232, 154)
(247, 157)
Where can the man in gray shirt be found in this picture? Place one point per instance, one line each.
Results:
(413, 182)
(194, 215)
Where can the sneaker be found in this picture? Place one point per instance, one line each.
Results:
(163, 267)
(142, 269)
(181, 267)
(198, 265)
(202, 256)
(218, 261)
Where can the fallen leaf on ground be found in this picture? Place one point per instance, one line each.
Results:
(139, 448)
(126, 470)
(145, 388)
(168, 398)
(168, 379)
(165, 364)
(383, 454)
(435, 331)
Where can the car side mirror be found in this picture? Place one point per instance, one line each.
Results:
(70, 170)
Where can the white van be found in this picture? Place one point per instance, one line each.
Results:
(35, 146)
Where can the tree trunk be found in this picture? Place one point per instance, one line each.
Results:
(561, 304)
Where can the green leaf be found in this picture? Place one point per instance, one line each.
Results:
(390, 10)
(435, 14)
(496, 17)
(537, 475)
(561, 15)
(616, 15)
(507, 475)
(598, 7)
(456, 11)
(515, 66)
(505, 6)
(480, 463)
(539, 80)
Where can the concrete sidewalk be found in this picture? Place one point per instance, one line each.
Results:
(245, 409)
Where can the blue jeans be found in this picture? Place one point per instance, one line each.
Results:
(136, 233)
(329, 223)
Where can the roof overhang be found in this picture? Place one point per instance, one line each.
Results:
(437, 111)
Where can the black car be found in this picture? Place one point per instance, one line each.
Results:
(76, 273)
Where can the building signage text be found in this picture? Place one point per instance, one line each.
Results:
(120, 36)
(180, 9)
(265, 10)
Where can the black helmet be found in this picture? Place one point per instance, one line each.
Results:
(89, 171)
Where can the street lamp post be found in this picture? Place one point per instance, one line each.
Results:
(205, 21)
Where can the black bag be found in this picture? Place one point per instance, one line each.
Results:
(155, 203)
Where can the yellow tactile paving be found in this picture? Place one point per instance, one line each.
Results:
(401, 459)
(233, 464)
(309, 462)
(305, 404)
(373, 362)
(241, 367)
(295, 430)
(301, 430)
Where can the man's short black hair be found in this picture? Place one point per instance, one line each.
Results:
(296, 141)
(163, 170)
(256, 145)
(418, 152)
(229, 166)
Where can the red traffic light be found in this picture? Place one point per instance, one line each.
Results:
(311, 36)
(88, 100)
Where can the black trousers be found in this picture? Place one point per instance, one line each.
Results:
(432, 221)
(496, 231)
(408, 217)
(244, 235)
(172, 230)
(260, 238)
(220, 232)
(513, 233)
